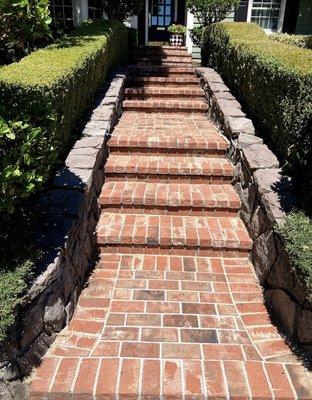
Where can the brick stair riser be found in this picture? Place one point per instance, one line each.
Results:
(151, 96)
(121, 177)
(141, 209)
(159, 60)
(162, 71)
(178, 251)
(174, 81)
(213, 153)
(137, 106)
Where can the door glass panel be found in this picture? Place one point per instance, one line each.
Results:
(154, 21)
(161, 21)
(168, 21)
(161, 10)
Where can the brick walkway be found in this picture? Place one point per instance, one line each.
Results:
(173, 309)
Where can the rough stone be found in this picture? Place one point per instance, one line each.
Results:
(305, 327)
(245, 140)
(73, 178)
(272, 180)
(259, 223)
(94, 142)
(259, 156)
(82, 161)
(284, 308)
(230, 108)
(54, 314)
(280, 275)
(236, 126)
(264, 254)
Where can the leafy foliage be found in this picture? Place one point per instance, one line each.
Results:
(296, 233)
(274, 81)
(121, 10)
(209, 12)
(49, 91)
(304, 41)
(24, 25)
(27, 154)
(177, 29)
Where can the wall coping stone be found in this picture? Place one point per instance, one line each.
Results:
(266, 195)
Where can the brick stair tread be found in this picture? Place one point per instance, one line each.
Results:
(165, 196)
(166, 104)
(164, 80)
(165, 91)
(189, 136)
(168, 165)
(194, 344)
(149, 70)
(168, 231)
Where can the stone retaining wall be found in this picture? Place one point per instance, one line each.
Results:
(266, 195)
(69, 212)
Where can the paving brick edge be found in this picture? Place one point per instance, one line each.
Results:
(266, 195)
(69, 212)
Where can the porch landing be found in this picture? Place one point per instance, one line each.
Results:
(172, 309)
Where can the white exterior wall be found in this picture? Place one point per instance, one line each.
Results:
(80, 11)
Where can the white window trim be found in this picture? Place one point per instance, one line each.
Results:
(280, 19)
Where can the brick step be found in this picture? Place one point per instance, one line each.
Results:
(190, 81)
(185, 199)
(169, 139)
(154, 60)
(160, 92)
(170, 234)
(161, 70)
(168, 168)
(170, 105)
(161, 51)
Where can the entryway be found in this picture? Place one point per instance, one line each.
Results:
(158, 15)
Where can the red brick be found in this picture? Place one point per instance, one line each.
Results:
(236, 381)
(120, 333)
(107, 380)
(223, 352)
(129, 379)
(106, 349)
(193, 380)
(279, 381)
(43, 377)
(214, 379)
(151, 379)
(183, 351)
(172, 380)
(64, 378)
(144, 350)
(159, 335)
(85, 381)
(257, 379)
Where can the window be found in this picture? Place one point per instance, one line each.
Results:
(94, 10)
(62, 13)
(266, 13)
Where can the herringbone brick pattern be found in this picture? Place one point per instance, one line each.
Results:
(172, 309)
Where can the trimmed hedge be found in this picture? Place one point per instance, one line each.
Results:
(274, 82)
(304, 41)
(296, 233)
(49, 91)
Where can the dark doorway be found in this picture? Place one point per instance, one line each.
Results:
(161, 15)
(241, 12)
(291, 14)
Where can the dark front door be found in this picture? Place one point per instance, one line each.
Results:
(161, 15)
(241, 12)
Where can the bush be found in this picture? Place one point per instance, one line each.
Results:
(43, 96)
(296, 234)
(121, 10)
(24, 25)
(208, 12)
(274, 82)
(304, 41)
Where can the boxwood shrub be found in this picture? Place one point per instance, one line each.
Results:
(274, 82)
(44, 95)
(304, 41)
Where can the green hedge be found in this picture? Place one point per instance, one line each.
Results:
(296, 233)
(49, 91)
(274, 82)
(304, 41)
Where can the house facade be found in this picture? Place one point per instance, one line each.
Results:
(291, 16)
